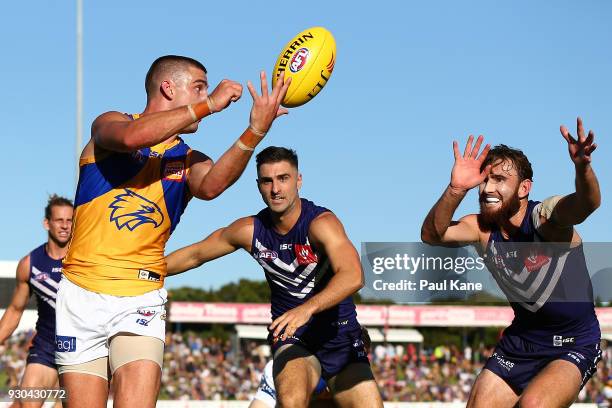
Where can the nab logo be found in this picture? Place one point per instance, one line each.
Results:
(131, 210)
(299, 59)
(65, 343)
(267, 255)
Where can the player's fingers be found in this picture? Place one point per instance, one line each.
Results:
(484, 153)
(485, 171)
(264, 84)
(456, 150)
(580, 128)
(590, 138)
(566, 134)
(251, 90)
(282, 111)
(468, 147)
(474, 152)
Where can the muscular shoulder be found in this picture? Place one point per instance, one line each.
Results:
(240, 232)
(23, 269)
(326, 226)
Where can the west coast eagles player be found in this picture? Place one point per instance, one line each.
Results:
(552, 346)
(39, 273)
(313, 270)
(136, 177)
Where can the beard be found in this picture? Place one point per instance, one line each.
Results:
(489, 218)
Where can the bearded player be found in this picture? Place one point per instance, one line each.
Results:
(551, 348)
(313, 270)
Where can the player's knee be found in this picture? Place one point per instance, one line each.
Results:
(531, 400)
(293, 398)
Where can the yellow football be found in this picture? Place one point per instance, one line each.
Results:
(308, 59)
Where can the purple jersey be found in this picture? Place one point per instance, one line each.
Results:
(45, 274)
(549, 290)
(294, 269)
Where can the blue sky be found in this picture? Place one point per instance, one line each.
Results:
(375, 145)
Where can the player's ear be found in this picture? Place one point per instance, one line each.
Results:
(524, 188)
(45, 224)
(167, 89)
(299, 181)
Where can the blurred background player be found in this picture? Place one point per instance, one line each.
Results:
(313, 270)
(39, 272)
(136, 178)
(553, 341)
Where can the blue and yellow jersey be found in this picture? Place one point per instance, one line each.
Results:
(126, 207)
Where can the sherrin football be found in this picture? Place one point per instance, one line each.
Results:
(308, 59)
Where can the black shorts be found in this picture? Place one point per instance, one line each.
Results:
(334, 346)
(518, 361)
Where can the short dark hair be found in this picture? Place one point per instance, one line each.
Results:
(275, 154)
(502, 152)
(166, 64)
(56, 201)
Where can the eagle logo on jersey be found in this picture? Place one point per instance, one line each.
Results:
(131, 210)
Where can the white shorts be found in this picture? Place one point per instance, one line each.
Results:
(86, 321)
(266, 392)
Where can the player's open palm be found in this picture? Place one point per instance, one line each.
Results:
(580, 150)
(266, 107)
(466, 173)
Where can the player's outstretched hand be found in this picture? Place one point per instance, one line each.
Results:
(579, 150)
(266, 107)
(290, 321)
(466, 172)
(225, 93)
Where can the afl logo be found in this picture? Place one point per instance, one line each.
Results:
(41, 277)
(267, 254)
(299, 60)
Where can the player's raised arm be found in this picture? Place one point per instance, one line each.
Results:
(221, 242)
(438, 227)
(576, 207)
(208, 180)
(117, 132)
(21, 295)
(326, 233)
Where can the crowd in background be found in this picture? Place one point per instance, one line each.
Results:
(197, 367)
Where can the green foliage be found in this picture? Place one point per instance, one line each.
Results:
(247, 291)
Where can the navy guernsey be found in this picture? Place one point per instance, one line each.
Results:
(295, 271)
(549, 289)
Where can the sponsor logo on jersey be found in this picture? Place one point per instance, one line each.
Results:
(267, 255)
(174, 171)
(65, 343)
(535, 262)
(299, 59)
(148, 275)
(305, 254)
(132, 210)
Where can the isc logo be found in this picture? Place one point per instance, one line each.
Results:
(284, 247)
(299, 59)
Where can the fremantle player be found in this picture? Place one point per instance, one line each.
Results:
(39, 272)
(552, 346)
(265, 397)
(313, 270)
